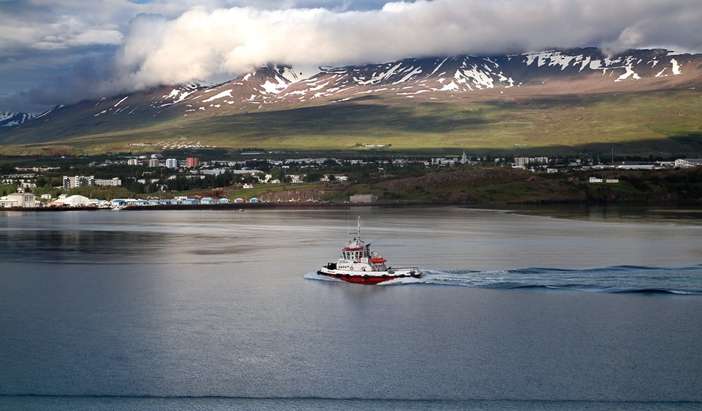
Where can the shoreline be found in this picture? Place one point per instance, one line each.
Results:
(244, 206)
(692, 207)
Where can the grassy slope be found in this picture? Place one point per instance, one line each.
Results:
(650, 122)
(506, 186)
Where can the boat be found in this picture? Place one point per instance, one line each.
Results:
(360, 265)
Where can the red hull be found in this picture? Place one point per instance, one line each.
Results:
(359, 279)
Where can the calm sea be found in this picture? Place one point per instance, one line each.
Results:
(221, 309)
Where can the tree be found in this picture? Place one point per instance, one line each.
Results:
(313, 177)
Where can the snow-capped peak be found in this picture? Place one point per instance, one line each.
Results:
(8, 119)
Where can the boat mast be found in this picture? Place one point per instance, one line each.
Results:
(358, 227)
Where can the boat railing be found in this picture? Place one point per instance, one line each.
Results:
(415, 268)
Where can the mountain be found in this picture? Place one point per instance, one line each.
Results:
(197, 112)
(14, 119)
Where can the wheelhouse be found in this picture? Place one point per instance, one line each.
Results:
(356, 250)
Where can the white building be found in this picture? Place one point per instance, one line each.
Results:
(524, 162)
(112, 182)
(77, 181)
(171, 163)
(595, 180)
(340, 178)
(75, 201)
(688, 162)
(443, 161)
(133, 162)
(153, 163)
(296, 178)
(214, 171)
(637, 166)
(85, 181)
(18, 200)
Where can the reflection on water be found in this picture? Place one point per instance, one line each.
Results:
(619, 213)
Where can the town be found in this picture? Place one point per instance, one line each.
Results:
(260, 177)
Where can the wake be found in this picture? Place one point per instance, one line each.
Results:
(615, 279)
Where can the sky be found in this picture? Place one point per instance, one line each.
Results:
(61, 51)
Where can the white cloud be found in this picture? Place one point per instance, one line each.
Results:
(165, 42)
(202, 43)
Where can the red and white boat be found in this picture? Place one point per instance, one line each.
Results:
(359, 265)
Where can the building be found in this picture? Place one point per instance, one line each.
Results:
(18, 200)
(688, 162)
(637, 166)
(443, 161)
(75, 201)
(87, 181)
(153, 163)
(363, 199)
(337, 178)
(112, 182)
(524, 162)
(26, 184)
(595, 180)
(77, 181)
(171, 163)
(214, 171)
(296, 178)
(192, 162)
(133, 162)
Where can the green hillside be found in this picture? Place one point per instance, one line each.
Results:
(640, 123)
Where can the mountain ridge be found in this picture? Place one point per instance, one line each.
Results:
(461, 80)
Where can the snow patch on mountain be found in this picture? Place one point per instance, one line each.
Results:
(274, 87)
(226, 93)
(120, 102)
(630, 73)
(551, 58)
(15, 119)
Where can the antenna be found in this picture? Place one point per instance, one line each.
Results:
(358, 227)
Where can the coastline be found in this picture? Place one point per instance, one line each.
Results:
(662, 213)
(689, 208)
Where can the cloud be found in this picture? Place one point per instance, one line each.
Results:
(165, 42)
(43, 43)
(203, 43)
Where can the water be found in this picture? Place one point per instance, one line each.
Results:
(620, 279)
(217, 310)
